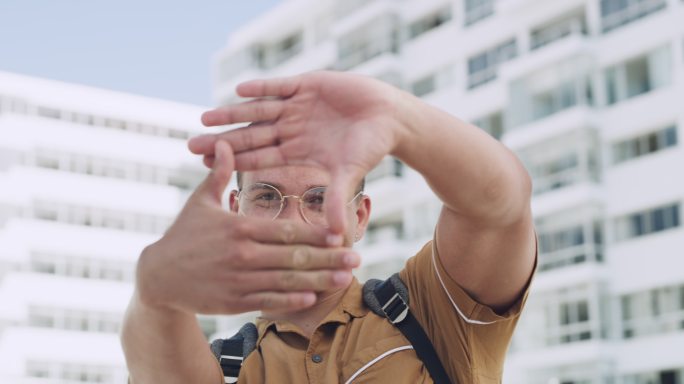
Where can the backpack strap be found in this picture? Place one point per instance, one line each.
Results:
(389, 299)
(232, 352)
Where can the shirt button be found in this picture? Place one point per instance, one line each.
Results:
(317, 358)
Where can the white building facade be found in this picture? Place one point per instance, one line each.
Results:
(88, 177)
(590, 95)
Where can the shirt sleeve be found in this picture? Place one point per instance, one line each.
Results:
(470, 338)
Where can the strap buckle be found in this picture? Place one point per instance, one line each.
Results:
(395, 309)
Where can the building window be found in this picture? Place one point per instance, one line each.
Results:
(429, 22)
(482, 68)
(554, 100)
(647, 222)
(638, 76)
(616, 13)
(654, 311)
(644, 145)
(384, 232)
(570, 245)
(476, 10)
(388, 167)
(569, 319)
(82, 267)
(424, 86)
(568, 26)
(492, 124)
(378, 37)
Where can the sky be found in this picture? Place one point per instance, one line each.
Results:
(159, 48)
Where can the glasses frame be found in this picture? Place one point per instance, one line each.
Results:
(283, 199)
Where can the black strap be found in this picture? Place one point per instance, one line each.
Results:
(397, 312)
(231, 358)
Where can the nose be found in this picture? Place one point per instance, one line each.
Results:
(291, 209)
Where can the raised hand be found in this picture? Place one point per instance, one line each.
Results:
(341, 122)
(212, 261)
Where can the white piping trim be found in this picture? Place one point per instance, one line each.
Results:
(466, 319)
(368, 364)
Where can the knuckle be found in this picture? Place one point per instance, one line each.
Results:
(334, 259)
(301, 257)
(240, 255)
(239, 229)
(325, 279)
(288, 280)
(287, 233)
(268, 301)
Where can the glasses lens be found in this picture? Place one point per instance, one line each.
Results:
(260, 200)
(313, 202)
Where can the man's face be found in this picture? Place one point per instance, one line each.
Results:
(296, 180)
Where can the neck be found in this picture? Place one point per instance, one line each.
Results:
(308, 319)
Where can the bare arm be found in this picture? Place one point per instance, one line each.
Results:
(485, 235)
(153, 340)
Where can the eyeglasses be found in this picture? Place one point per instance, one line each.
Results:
(264, 200)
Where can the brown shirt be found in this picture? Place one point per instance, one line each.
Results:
(354, 345)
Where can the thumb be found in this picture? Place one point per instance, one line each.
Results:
(336, 199)
(217, 180)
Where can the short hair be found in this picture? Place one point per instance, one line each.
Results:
(359, 188)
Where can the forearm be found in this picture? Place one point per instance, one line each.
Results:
(473, 174)
(166, 346)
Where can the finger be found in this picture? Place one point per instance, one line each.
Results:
(254, 110)
(279, 87)
(216, 182)
(274, 301)
(253, 136)
(286, 232)
(288, 280)
(304, 257)
(262, 158)
(336, 199)
(203, 144)
(208, 161)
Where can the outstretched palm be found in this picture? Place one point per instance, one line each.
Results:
(341, 122)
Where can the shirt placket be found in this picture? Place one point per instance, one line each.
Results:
(316, 357)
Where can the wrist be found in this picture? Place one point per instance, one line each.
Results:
(406, 111)
(148, 293)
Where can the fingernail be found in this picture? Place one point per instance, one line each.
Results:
(340, 277)
(351, 259)
(309, 300)
(334, 240)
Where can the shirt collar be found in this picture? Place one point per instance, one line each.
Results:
(351, 306)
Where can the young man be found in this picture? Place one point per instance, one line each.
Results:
(284, 251)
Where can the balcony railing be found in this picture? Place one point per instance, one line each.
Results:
(366, 52)
(612, 19)
(476, 13)
(570, 333)
(583, 253)
(547, 35)
(663, 323)
(388, 167)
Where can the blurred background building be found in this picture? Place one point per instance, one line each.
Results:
(587, 92)
(590, 94)
(88, 177)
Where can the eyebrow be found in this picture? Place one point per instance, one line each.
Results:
(280, 187)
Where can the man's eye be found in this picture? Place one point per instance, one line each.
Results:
(315, 199)
(268, 196)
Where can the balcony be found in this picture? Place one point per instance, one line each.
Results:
(571, 26)
(476, 10)
(364, 51)
(578, 254)
(615, 14)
